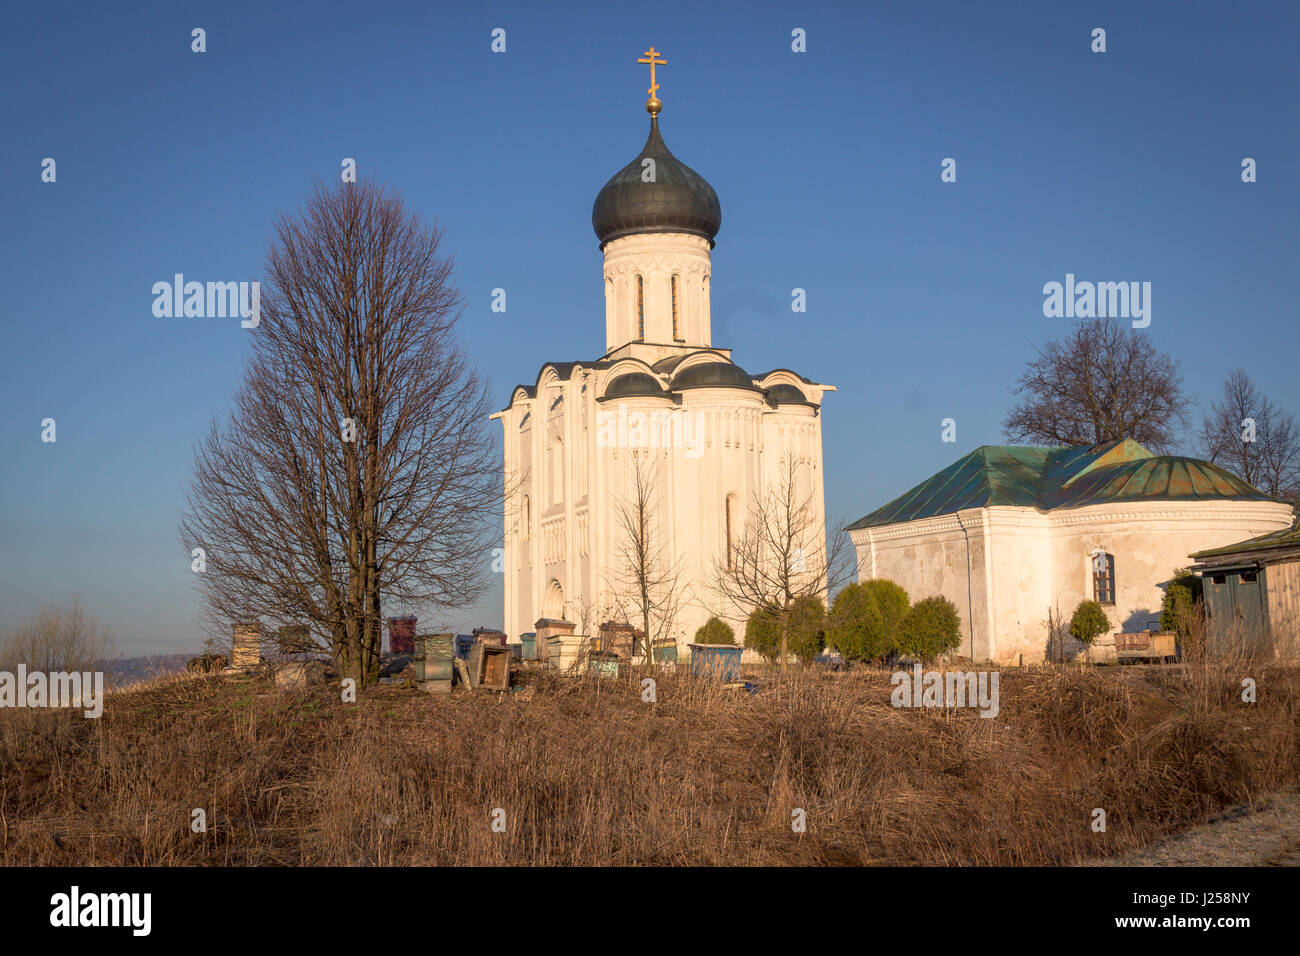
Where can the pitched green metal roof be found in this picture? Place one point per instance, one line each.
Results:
(1047, 478)
(1286, 538)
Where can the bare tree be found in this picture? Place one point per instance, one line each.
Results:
(356, 466)
(783, 553)
(1103, 382)
(645, 578)
(587, 616)
(1250, 436)
(57, 638)
(1058, 635)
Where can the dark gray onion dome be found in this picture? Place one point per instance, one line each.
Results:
(784, 394)
(713, 375)
(679, 200)
(634, 385)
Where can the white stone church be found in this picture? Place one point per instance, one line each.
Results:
(713, 432)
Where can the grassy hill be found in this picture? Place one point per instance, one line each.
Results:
(587, 773)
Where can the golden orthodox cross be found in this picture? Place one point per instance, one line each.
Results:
(652, 57)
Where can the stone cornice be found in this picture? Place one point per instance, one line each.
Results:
(921, 526)
(656, 242)
(1226, 510)
(1009, 516)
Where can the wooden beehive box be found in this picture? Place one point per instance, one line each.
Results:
(564, 652)
(545, 629)
(401, 635)
(435, 647)
(433, 669)
(246, 650)
(621, 639)
(489, 666)
(296, 639)
(489, 635)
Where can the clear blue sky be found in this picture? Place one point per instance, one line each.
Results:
(924, 299)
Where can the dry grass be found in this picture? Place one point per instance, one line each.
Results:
(588, 774)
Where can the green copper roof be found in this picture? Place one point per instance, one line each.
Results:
(1286, 538)
(1047, 478)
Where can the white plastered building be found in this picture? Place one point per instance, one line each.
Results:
(1008, 532)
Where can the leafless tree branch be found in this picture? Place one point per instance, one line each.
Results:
(1103, 382)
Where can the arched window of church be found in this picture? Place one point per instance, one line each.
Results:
(524, 519)
(1103, 577)
(676, 334)
(640, 308)
(728, 507)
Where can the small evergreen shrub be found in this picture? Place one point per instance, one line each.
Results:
(931, 628)
(865, 619)
(1089, 622)
(892, 602)
(1181, 604)
(715, 631)
(806, 637)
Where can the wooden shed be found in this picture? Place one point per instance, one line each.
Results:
(1252, 593)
